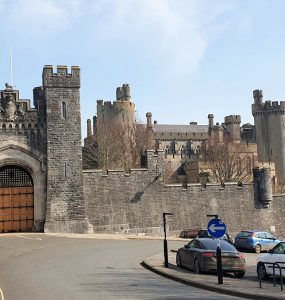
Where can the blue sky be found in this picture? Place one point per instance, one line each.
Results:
(183, 59)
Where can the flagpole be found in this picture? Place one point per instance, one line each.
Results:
(11, 67)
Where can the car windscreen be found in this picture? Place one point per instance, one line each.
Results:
(245, 234)
(211, 244)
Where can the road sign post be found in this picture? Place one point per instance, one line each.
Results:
(219, 263)
(217, 228)
(165, 240)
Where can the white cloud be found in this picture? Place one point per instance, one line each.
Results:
(41, 16)
(178, 32)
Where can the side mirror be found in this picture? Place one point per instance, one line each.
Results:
(186, 246)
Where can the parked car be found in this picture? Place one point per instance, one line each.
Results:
(255, 240)
(265, 261)
(200, 256)
(203, 233)
(189, 233)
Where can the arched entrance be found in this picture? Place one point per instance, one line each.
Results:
(16, 199)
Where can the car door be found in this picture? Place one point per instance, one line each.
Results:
(270, 240)
(279, 257)
(189, 253)
(186, 253)
(276, 255)
(260, 236)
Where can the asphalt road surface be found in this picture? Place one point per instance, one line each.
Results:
(38, 266)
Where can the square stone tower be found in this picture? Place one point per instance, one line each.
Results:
(65, 208)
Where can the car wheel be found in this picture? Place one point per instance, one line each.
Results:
(239, 274)
(178, 260)
(197, 268)
(261, 270)
(257, 248)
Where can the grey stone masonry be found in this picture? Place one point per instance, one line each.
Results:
(65, 211)
(138, 199)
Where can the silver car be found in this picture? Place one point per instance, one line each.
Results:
(266, 261)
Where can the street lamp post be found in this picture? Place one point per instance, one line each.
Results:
(165, 240)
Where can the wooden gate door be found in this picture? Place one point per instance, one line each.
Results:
(16, 200)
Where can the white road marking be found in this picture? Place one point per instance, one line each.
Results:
(17, 254)
(25, 237)
(29, 238)
(2, 295)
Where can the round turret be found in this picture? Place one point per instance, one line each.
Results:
(257, 96)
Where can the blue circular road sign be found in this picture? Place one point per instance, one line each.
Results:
(216, 228)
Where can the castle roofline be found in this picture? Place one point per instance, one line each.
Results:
(180, 128)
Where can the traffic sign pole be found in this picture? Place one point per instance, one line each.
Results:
(219, 263)
(216, 229)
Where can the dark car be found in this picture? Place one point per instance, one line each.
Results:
(203, 233)
(189, 233)
(200, 256)
(255, 240)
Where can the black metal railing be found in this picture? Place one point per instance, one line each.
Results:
(274, 266)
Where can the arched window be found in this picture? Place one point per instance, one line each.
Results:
(63, 109)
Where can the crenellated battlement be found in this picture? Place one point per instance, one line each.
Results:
(123, 93)
(61, 78)
(269, 107)
(234, 119)
(121, 110)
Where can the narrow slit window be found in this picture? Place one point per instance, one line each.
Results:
(63, 108)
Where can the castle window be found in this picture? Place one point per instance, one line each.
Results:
(63, 109)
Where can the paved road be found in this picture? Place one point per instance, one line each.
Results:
(38, 266)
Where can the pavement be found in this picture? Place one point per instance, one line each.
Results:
(247, 287)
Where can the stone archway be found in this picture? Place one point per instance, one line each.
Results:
(17, 154)
(16, 199)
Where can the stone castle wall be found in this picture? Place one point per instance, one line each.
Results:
(138, 199)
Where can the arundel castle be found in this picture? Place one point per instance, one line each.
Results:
(128, 172)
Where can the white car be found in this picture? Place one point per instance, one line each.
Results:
(265, 262)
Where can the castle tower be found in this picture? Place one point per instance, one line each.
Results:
(210, 121)
(120, 112)
(89, 131)
(233, 127)
(65, 209)
(269, 118)
(260, 122)
(149, 120)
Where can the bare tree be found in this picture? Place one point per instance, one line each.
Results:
(226, 162)
(116, 146)
(140, 140)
